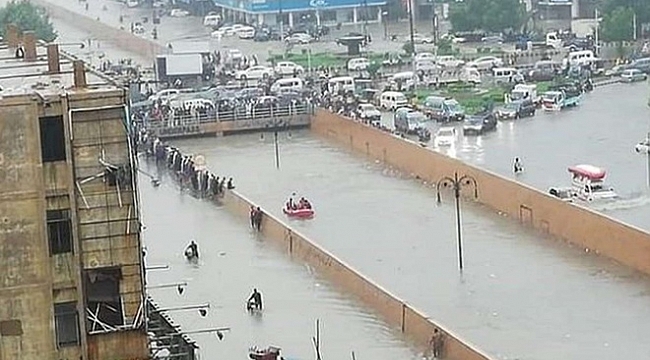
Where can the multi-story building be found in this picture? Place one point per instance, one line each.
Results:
(292, 12)
(71, 261)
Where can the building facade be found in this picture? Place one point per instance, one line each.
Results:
(71, 267)
(292, 12)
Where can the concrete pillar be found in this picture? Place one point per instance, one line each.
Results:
(29, 43)
(260, 19)
(53, 65)
(79, 74)
(379, 15)
(355, 15)
(317, 17)
(12, 36)
(291, 20)
(575, 9)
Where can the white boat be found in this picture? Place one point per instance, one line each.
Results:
(587, 182)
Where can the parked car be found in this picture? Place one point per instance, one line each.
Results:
(425, 56)
(442, 109)
(480, 123)
(369, 112)
(643, 147)
(517, 109)
(254, 72)
(642, 64)
(449, 61)
(422, 39)
(178, 13)
(358, 64)
(299, 38)
(486, 63)
(445, 136)
(266, 34)
(426, 65)
(227, 30)
(392, 59)
(247, 32)
(633, 75)
(288, 68)
(544, 70)
(616, 70)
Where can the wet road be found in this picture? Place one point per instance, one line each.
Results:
(508, 301)
(190, 29)
(233, 261)
(520, 297)
(602, 131)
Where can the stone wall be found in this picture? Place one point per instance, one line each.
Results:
(416, 326)
(573, 223)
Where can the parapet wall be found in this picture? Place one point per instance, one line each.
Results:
(416, 326)
(578, 225)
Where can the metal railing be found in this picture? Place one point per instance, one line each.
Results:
(241, 118)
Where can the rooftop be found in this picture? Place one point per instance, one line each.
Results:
(28, 67)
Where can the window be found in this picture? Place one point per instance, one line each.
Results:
(59, 231)
(52, 138)
(66, 322)
(103, 299)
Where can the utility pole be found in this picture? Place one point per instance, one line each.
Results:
(281, 20)
(410, 11)
(634, 25)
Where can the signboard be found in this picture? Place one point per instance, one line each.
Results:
(274, 6)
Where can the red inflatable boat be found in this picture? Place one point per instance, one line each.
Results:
(299, 213)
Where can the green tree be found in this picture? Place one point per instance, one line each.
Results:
(617, 25)
(639, 7)
(27, 17)
(487, 15)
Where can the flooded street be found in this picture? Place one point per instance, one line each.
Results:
(233, 261)
(602, 131)
(521, 296)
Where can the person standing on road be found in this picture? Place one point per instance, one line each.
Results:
(436, 344)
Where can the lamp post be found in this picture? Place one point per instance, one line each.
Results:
(457, 183)
(275, 126)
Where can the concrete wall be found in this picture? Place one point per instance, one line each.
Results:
(100, 31)
(26, 313)
(398, 314)
(583, 227)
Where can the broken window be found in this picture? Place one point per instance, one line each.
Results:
(52, 138)
(103, 298)
(66, 321)
(59, 231)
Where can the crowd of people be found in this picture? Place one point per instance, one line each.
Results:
(200, 181)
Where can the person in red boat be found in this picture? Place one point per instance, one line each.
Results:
(307, 205)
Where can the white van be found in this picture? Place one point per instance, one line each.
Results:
(288, 84)
(392, 100)
(406, 78)
(341, 83)
(211, 20)
(190, 103)
(164, 95)
(581, 57)
(506, 75)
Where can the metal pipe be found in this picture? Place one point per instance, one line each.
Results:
(189, 307)
(164, 286)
